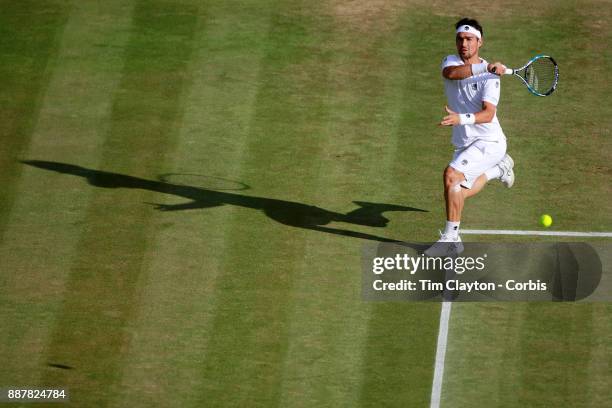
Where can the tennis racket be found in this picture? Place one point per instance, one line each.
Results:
(540, 75)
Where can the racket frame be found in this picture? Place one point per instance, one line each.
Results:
(510, 71)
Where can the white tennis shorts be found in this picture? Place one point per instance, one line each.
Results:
(476, 158)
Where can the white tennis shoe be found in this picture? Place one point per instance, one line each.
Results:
(446, 246)
(506, 165)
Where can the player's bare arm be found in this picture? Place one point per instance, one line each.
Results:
(465, 71)
(486, 115)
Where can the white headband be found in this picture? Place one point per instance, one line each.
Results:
(469, 29)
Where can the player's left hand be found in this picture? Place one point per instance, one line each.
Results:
(452, 119)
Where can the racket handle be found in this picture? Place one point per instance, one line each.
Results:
(509, 71)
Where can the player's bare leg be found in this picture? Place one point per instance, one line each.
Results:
(450, 242)
(477, 186)
(453, 193)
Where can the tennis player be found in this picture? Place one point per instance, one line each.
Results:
(472, 89)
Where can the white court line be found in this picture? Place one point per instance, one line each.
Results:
(436, 388)
(548, 233)
(445, 311)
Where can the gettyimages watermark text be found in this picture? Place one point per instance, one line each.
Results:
(486, 272)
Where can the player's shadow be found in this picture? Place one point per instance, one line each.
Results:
(286, 212)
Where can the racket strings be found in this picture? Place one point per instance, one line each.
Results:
(541, 75)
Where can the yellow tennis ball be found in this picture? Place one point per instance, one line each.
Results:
(546, 220)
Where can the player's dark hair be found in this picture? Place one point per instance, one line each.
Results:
(470, 22)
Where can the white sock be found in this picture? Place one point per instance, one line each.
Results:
(493, 173)
(452, 228)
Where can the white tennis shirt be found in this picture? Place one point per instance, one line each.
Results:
(466, 96)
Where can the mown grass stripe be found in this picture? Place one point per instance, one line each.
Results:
(102, 289)
(601, 355)
(555, 354)
(400, 348)
(248, 340)
(43, 225)
(28, 47)
(212, 142)
(474, 354)
(327, 360)
(399, 354)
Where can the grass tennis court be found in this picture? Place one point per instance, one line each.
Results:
(242, 286)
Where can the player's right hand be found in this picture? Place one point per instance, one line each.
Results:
(452, 119)
(497, 68)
